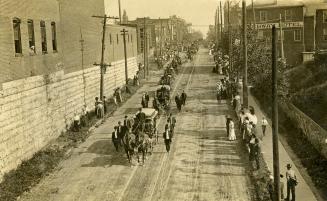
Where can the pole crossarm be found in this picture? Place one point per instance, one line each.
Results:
(105, 16)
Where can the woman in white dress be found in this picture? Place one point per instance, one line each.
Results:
(232, 135)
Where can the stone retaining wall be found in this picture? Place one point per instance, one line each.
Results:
(36, 110)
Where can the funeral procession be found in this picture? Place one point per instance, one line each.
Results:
(163, 100)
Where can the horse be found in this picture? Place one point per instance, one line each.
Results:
(129, 144)
(144, 144)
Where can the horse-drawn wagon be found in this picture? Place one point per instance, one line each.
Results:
(163, 96)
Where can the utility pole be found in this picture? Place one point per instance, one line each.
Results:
(281, 39)
(218, 26)
(221, 23)
(229, 41)
(144, 48)
(119, 11)
(275, 117)
(123, 33)
(160, 37)
(245, 57)
(102, 65)
(253, 15)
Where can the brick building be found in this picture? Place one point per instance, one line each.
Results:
(47, 74)
(160, 32)
(303, 27)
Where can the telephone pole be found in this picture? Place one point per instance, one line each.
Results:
(119, 7)
(245, 57)
(218, 26)
(144, 47)
(253, 15)
(281, 39)
(123, 33)
(102, 65)
(221, 22)
(275, 117)
(229, 41)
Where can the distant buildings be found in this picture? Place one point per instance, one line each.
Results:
(160, 32)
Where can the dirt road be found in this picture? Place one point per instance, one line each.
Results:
(202, 164)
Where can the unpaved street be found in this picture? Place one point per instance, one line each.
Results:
(202, 165)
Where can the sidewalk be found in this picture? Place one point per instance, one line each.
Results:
(302, 190)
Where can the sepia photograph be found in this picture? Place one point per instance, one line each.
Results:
(163, 100)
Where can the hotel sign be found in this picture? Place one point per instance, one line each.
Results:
(284, 25)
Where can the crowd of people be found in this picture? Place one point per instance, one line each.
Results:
(252, 131)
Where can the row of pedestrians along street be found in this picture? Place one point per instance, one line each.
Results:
(257, 135)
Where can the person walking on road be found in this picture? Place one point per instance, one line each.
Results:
(115, 138)
(254, 152)
(231, 128)
(178, 102)
(167, 135)
(291, 182)
(227, 124)
(183, 98)
(264, 124)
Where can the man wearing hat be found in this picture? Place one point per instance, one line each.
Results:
(115, 138)
(291, 182)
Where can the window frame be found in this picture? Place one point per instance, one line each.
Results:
(265, 14)
(324, 16)
(54, 37)
(31, 34)
(300, 35)
(324, 34)
(43, 30)
(17, 46)
(290, 15)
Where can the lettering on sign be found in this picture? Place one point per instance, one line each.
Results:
(284, 25)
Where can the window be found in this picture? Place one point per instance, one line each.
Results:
(127, 37)
(325, 34)
(54, 36)
(17, 36)
(110, 39)
(43, 37)
(324, 16)
(132, 38)
(297, 35)
(117, 39)
(263, 16)
(31, 36)
(288, 15)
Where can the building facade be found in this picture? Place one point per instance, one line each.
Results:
(302, 27)
(47, 74)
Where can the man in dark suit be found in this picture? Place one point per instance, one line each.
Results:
(167, 136)
(178, 102)
(147, 98)
(120, 132)
(115, 138)
(183, 97)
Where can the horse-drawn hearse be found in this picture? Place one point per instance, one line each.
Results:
(142, 135)
(166, 80)
(163, 96)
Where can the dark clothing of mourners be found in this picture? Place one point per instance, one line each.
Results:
(183, 98)
(178, 103)
(254, 154)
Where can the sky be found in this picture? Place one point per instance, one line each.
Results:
(197, 12)
(200, 13)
